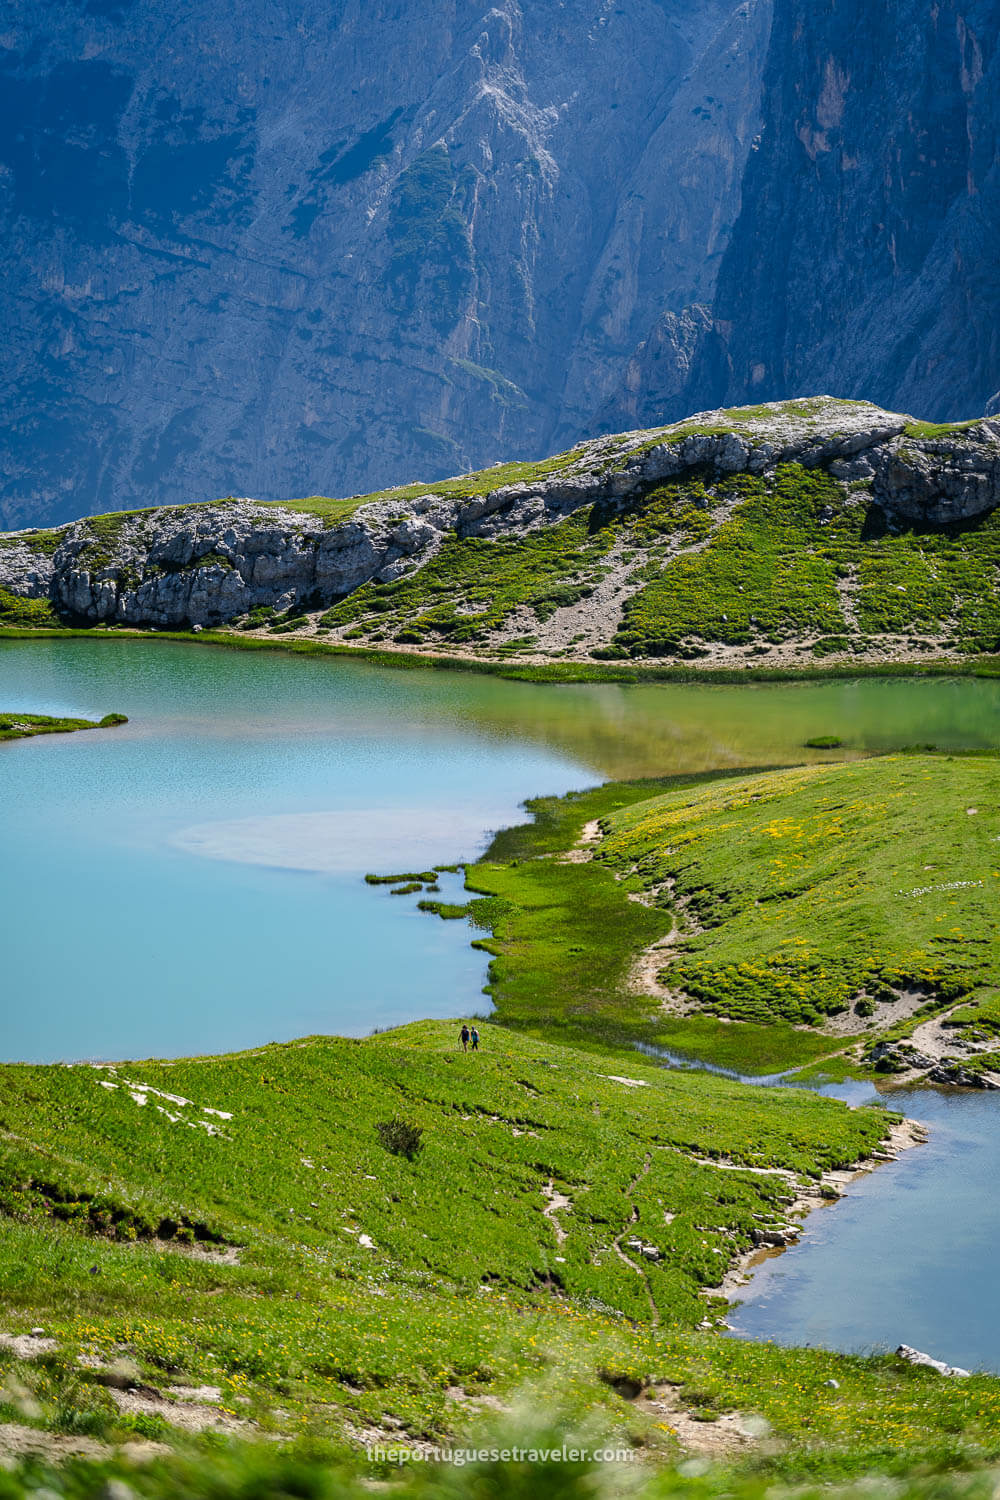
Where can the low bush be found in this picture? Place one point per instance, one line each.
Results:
(401, 1137)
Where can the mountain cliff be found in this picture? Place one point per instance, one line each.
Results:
(326, 247)
(861, 259)
(738, 537)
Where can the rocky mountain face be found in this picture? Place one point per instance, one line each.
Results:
(862, 257)
(210, 564)
(282, 249)
(285, 249)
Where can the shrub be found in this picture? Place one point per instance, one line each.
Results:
(401, 1137)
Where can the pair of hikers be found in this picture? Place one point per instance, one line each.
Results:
(465, 1036)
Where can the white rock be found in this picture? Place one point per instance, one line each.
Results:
(916, 1357)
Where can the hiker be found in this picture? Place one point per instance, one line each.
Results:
(463, 1037)
(474, 1038)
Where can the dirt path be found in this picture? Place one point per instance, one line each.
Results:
(583, 850)
(556, 1202)
(643, 976)
(654, 1311)
(727, 1435)
(931, 1038)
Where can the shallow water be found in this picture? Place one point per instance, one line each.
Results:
(191, 881)
(907, 1257)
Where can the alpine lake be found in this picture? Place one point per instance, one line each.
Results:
(192, 882)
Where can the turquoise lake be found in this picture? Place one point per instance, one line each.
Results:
(192, 882)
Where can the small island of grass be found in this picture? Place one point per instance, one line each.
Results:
(21, 726)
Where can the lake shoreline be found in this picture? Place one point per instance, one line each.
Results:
(903, 1135)
(807, 1193)
(564, 672)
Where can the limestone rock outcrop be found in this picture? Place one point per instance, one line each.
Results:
(209, 564)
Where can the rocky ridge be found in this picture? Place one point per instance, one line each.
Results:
(209, 564)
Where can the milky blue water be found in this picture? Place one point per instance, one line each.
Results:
(192, 882)
(907, 1257)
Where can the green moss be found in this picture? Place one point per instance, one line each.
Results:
(939, 429)
(18, 612)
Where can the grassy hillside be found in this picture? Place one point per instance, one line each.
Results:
(809, 890)
(712, 569)
(369, 1283)
(545, 1253)
(697, 569)
(816, 906)
(237, 1223)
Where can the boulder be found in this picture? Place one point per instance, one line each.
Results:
(916, 1357)
(950, 1071)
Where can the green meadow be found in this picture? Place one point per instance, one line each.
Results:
(814, 889)
(783, 902)
(236, 1222)
(392, 1242)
